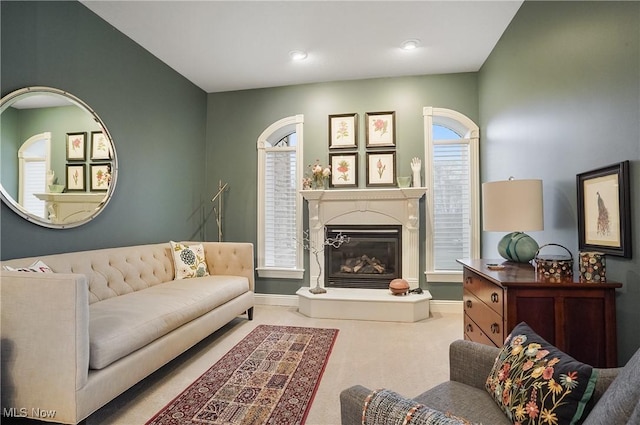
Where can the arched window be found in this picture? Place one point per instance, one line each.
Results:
(33, 163)
(452, 179)
(279, 201)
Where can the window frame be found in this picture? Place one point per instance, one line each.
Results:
(470, 132)
(270, 136)
(24, 159)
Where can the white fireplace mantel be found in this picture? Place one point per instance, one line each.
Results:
(397, 206)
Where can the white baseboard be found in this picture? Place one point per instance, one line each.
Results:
(435, 306)
(446, 306)
(276, 299)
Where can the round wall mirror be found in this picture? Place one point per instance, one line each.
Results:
(58, 164)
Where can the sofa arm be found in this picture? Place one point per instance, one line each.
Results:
(231, 258)
(351, 403)
(45, 341)
(471, 362)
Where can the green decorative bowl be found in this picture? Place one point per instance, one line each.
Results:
(404, 181)
(56, 188)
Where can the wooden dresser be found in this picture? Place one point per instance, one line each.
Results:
(578, 318)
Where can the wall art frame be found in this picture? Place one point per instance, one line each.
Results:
(381, 169)
(77, 146)
(344, 169)
(100, 146)
(604, 210)
(100, 176)
(343, 131)
(381, 129)
(76, 177)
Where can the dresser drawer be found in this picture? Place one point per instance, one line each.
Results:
(489, 293)
(490, 322)
(472, 332)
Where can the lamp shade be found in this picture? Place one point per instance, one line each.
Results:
(512, 206)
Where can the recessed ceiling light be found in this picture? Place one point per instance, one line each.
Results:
(410, 44)
(298, 55)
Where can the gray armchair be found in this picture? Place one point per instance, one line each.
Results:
(464, 395)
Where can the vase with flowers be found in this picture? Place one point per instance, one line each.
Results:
(319, 178)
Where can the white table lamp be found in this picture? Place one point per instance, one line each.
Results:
(514, 206)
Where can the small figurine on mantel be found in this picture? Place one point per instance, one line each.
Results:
(416, 165)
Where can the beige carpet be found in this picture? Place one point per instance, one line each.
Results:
(408, 358)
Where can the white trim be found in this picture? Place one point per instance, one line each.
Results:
(444, 276)
(23, 159)
(446, 307)
(270, 272)
(461, 124)
(275, 299)
(274, 133)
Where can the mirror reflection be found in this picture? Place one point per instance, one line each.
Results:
(58, 163)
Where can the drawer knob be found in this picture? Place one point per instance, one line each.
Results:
(469, 304)
(494, 297)
(468, 280)
(495, 328)
(469, 328)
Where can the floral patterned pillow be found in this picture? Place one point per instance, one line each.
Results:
(534, 382)
(189, 260)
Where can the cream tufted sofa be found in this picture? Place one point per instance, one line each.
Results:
(75, 339)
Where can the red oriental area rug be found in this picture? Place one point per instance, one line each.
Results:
(270, 377)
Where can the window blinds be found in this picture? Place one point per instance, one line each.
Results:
(280, 208)
(34, 182)
(452, 204)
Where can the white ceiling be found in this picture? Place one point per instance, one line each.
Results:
(235, 45)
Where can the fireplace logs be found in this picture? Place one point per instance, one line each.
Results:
(371, 259)
(363, 264)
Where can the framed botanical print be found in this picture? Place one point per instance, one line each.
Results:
(604, 214)
(100, 146)
(381, 129)
(75, 177)
(344, 170)
(76, 146)
(100, 177)
(381, 168)
(343, 131)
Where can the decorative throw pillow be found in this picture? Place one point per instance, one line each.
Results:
(38, 267)
(534, 382)
(189, 260)
(385, 407)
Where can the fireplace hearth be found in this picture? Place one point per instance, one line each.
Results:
(371, 259)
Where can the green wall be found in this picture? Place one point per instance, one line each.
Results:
(560, 95)
(156, 117)
(236, 119)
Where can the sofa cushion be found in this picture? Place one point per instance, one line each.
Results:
(385, 407)
(532, 379)
(118, 326)
(38, 267)
(620, 404)
(189, 260)
(464, 401)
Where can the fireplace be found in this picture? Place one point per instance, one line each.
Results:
(377, 207)
(371, 259)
